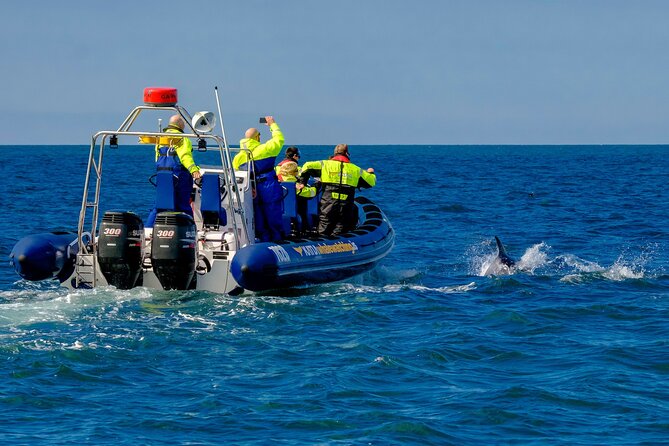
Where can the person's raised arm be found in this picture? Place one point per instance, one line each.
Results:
(274, 145)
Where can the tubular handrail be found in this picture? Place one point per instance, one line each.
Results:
(99, 142)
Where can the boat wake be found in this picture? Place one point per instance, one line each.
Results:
(445, 289)
(384, 280)
(27, 307)
(337, 290)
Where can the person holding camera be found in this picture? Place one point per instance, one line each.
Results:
(339, 179)
(267, 202)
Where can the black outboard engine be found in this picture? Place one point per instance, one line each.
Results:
(173, 250)
(120, 248)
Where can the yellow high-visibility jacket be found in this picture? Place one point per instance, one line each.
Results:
(264, 154)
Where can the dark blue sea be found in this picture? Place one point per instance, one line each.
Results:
(571, 348)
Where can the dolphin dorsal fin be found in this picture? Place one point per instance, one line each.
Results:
(501, 253)
(500, 247)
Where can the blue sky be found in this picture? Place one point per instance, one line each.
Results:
(350, 71)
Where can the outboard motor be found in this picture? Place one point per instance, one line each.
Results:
(173, 250)
(120, 248)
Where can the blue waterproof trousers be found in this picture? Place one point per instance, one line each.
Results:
(268, 208)
(183, 184)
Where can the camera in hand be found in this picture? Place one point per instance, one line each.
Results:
(263, 120)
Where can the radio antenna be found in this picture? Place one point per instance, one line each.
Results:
(220, 115)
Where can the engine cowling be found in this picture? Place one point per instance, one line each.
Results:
(173, 250)
(120, 248)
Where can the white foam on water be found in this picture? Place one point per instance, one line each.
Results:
(627, 266)
(448, 289)
(398, 288)
(24, 307)
(534, 257)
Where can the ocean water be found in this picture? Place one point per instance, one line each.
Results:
(571, 348)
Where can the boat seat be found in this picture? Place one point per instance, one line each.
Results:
(213, 214)
(164, 191)
(290, 219)
(312, 212)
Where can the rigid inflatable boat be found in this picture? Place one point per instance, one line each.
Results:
(213, 250)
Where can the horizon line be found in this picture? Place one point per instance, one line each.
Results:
(404, 145)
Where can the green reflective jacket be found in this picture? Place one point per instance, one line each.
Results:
(305, 192)
(338, 177)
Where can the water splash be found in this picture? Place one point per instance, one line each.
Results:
(534, 257)
(484, 255)
(480, 257)
(628, 266)
(537, 260)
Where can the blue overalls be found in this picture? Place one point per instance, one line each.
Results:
(268, 205)
(183, 182)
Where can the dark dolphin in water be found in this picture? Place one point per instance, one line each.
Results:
(502, 255)
(502, 263)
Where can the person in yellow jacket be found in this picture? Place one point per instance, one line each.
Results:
(292, 155)
(268, 200)
(339, 179)
(288, 174)
(176, 154)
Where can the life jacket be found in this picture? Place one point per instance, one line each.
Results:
(277, 169)
(167, 154)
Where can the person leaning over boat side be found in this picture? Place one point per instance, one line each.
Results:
(268, 199)
(288, 174)
(339, 178)
(292, 155)
(176, 154)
